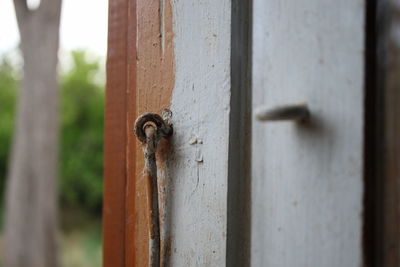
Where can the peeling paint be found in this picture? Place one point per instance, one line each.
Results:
(201, 106)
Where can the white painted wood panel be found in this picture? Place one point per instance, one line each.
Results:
(198, 168)
(307, 180)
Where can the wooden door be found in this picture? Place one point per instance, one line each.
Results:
(308, 178)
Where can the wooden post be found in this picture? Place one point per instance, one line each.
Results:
(177, 55)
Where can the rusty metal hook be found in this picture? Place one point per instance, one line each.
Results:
(149, 129)
(163, 124)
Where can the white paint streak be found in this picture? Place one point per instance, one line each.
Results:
(197, 200)
(307, 181)
(162, 25)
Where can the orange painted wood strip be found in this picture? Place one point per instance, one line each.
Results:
(130, 245)
(115, 137)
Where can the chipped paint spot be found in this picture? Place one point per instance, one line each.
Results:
(199, 159)
(193, 141)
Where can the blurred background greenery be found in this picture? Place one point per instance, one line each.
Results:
(81, 152)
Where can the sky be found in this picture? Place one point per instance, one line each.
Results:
(83, 25)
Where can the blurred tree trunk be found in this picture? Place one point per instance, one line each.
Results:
(31, 197)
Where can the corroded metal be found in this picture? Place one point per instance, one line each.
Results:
(149, 129)
(162, 124)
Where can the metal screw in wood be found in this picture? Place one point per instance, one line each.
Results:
(149, 129)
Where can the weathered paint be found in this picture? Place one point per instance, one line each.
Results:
(153, 91)
(192, 74)
(307, 179)
(193, 174)
(195, 180)
(196, 218)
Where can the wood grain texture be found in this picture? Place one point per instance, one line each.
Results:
(155, 76)
(115, 137)
(198, 169)
(196, 64)
(171, 54)
(307, 190)
(139, 79)
(131, 143)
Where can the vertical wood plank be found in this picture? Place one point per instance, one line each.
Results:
(198, 167)
(131, 155)
(307, 191)
(182, 73)
(115, 137)
(387, 95)
(155, 76)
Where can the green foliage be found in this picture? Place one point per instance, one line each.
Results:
(8, 94)
(81, 246)
(81, 149)
(81, 133)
